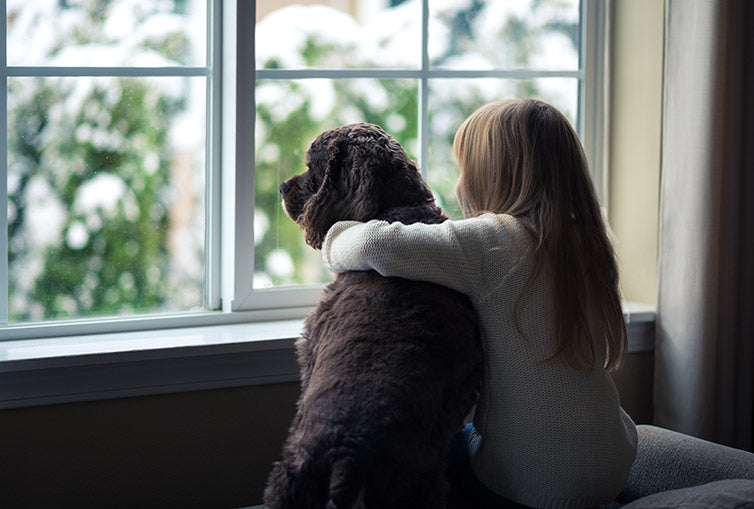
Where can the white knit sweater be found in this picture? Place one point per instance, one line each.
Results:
(545, 435)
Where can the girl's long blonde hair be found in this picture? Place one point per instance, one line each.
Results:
(522, 157)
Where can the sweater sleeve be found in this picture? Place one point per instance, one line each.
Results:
(450, 254)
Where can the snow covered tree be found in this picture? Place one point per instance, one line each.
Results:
(92, 169)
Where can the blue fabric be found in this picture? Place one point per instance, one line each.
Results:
(466, 489)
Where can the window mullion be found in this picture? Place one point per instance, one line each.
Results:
(120, 72)
(213, 160)
(240, 163)
(594, 90)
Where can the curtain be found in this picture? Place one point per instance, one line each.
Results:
(704, 356)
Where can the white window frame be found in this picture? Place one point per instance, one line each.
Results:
(248, 339)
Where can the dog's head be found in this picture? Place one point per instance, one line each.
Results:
(356, 172)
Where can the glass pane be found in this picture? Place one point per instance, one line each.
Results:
(452, 100)
(333, 34)
(290, 114)
(119, 33)
(525, 34)
(105, 196)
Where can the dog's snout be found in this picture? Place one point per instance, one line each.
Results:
(284, 187)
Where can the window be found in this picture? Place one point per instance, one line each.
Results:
(106, 157)
(145, 140)
(106, 153)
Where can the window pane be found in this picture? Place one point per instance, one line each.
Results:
(452, 100)
(105, 196)
(525, 34)
(338, 35)
(290, 114)
(134, 33)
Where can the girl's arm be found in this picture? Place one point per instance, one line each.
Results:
(449, 254)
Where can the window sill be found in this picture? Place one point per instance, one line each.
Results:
(640, 326)
(103, 366)
(37, 372)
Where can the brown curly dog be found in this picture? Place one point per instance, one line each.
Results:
(389, 367)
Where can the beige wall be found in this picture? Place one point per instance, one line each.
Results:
(635, 135)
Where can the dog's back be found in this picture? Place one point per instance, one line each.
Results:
(390, 368)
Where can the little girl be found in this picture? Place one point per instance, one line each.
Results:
(534, 257)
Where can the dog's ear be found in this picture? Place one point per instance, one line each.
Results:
(328, 204)
(350, 188)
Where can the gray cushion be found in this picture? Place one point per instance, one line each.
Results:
(730, 493)
(667, 460)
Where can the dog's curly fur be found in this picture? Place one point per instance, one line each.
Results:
(389, 367)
